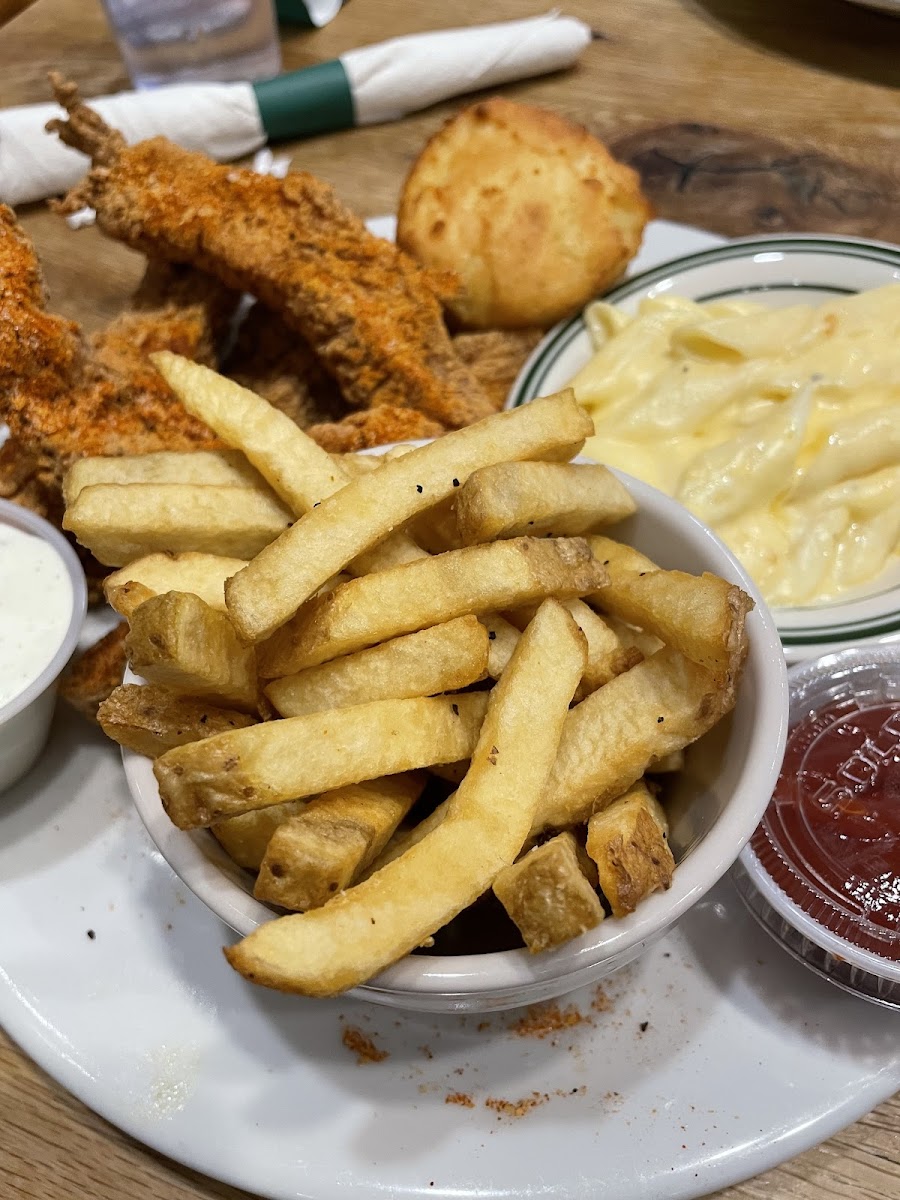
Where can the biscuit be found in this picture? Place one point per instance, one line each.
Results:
(530, 210)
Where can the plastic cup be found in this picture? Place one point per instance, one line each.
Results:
(189, 41)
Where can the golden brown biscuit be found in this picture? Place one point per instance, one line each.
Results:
(529, 209)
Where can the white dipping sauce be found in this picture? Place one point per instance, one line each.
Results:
(35, 608)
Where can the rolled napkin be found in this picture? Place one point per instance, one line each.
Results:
(362, 87)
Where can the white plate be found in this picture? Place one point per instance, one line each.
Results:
(775, 271)
(746, 1060)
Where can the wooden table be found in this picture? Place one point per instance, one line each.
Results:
(818, 76)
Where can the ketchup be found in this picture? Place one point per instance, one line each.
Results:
(831, 836)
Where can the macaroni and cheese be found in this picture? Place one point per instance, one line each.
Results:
(780, 428)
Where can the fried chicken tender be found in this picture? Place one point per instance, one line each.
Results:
(370, 312)
(22, 481)
(374, 427)
(37, 350)
(96, 673)
(496, 357)
(61, 402)
(275, 361)
(272, 360)
(177, 308)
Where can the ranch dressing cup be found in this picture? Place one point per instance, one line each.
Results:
(43, 598)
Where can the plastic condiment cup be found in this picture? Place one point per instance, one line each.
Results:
(819, 918)
(25, 719)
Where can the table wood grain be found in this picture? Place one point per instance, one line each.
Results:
(707, 98)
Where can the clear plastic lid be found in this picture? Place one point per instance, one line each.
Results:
(822, 871)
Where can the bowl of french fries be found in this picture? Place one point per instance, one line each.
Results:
(377, 701)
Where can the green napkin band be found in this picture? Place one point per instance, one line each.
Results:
(302, 103)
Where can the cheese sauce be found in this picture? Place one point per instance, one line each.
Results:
(779, 428)
(35, 608)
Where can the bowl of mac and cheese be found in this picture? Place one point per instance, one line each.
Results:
(758, 383)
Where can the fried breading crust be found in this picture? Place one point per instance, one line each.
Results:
(59, 403)
(374, 427)
(96, 673)
(22, 481)
(177, 308)
(369, 311)
(496, 357)
(275, 361)
(38, 351)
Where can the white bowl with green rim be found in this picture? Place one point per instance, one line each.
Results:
(776, 272)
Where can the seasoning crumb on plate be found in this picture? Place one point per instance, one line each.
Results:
(362, 1046)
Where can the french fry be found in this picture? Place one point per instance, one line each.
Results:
(619, 557)
(397, 451)
(128, 597)
(164, 466)
(346, 524)
(703, 616)
(303, 756)
(666, 764)
(436, 529)
(121, 522)
(518, 499)
(151, 719)
(203, 575)
(628, 842)
(405, 839)
(453, 773)
(443, 658)
(358, 464)
(394, 551)
(365, 928)
(299, 470)
(478, 579)
(503, 638)
(547, 895)
(179, 642)
(245, 838)
(660, 706)
(321, 851)
(607, 657)
(632, 637)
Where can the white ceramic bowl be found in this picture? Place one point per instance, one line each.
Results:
(774, 271)
(714, 808)
(25, 719)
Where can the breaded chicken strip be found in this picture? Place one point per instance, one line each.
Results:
(496, 357)
(59, 401)
(371, 314)
(273, 360)
(177, 308)
(374, 427)
(96, 673)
